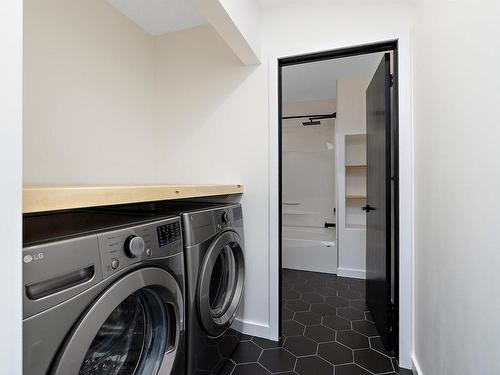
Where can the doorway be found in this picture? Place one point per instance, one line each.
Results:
(379, 305)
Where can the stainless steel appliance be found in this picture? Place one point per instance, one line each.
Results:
(215, 273)
(103, 294)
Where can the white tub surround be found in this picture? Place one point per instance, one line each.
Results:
(309, 249)
(308, 161)
(308, 166)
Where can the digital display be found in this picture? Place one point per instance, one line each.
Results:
(168, 233)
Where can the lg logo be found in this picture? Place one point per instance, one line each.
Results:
(31, 258)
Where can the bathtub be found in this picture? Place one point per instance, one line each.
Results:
(309, 249)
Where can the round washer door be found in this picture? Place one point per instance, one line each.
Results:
(221, 281)
(133, 328)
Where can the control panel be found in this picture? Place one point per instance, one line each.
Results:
(124, 247)
(168, 233)
(223, 218)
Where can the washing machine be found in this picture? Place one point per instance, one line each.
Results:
(103, 294)
(215, 276)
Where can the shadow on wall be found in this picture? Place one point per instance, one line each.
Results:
(197, 77)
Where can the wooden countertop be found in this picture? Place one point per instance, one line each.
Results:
(51, 198)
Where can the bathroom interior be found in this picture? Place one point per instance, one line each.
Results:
(324, 165)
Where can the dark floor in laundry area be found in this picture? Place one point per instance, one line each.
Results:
(327, 330)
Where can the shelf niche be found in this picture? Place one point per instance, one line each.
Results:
(355, 180)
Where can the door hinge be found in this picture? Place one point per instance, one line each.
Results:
(390, 80)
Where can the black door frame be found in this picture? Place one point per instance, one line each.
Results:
(387, 46)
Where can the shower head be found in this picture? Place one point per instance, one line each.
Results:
(311, 122)
(313, 119)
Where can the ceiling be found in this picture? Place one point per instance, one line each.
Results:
(318, 80)
(268, 4)
(160, 16)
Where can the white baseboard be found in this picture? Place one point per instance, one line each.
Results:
(251, 328)
(415, 366)
(316, 268)
(351, 272)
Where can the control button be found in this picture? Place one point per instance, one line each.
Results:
(225, 217)
(134, 246)
(219, 226)
(148, 252)
(115, 264)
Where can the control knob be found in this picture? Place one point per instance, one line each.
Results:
(115, 263)
(225, 217)
(134, 246)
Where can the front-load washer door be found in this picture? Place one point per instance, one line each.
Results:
(133, 328)
(221, 282)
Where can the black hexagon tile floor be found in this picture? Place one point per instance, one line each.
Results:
(327, 330)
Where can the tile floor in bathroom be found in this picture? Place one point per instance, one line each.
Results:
(327, 330)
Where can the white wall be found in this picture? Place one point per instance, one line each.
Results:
(351, 105)
(10, 188)
(88, 95)
(457, 179)
(351, 119)
(308, 162)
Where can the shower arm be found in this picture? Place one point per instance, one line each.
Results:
(312, 117)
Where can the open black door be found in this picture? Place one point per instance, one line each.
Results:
(379, 244)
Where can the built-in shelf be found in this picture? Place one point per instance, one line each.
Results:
(51, 198)
(355, 196)
(355, 167)
(355, 180)
(356, 226)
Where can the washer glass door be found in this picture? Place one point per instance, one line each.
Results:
(221, 283)
(133, 338)
(134, 328)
